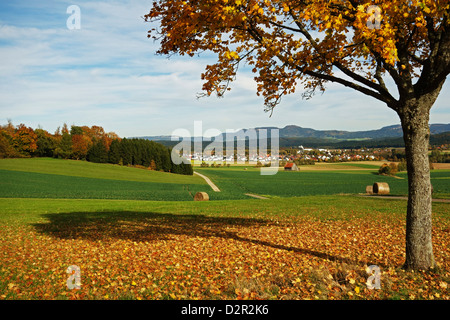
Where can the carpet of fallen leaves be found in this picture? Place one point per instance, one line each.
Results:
(133, 256)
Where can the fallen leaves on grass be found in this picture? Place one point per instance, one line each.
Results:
(163, 256)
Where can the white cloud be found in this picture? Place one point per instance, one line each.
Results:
(107, 74)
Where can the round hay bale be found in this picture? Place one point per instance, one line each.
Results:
(369, 189)
(201, 196)
(381, 188)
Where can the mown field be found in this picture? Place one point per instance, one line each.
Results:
(330, 179)
(291, 246)
(69, 179)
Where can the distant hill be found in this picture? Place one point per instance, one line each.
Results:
(393, 131)
(293, 135)
(154, 138)
(435, 140)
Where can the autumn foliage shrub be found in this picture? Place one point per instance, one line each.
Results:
(388, 169)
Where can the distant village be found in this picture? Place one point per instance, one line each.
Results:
(336, 155)
(302, 155)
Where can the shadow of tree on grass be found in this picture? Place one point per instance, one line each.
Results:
(152, 226)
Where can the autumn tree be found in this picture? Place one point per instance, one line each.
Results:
(7, 149)
(397, 52)
(81, 144)
(25, 140)
(96, 133)
(109, 138)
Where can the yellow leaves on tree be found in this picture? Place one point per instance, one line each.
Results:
(306, 42)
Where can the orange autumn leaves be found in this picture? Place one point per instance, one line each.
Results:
(158, 256)
(292, 43)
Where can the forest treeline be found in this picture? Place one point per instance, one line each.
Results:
(87, 143)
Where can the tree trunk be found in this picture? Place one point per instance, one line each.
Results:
(416, 133)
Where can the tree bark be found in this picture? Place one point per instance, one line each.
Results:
(414, 116)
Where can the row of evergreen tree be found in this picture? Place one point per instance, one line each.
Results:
(137, 152)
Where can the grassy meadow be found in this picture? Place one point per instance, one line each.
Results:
(70, 179)
(137, 234)
(326, 179)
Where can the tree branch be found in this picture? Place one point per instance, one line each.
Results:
(378, 87)
(283, 26)
(437, 66)
(382, 90)
(389, 100)
(379, 76)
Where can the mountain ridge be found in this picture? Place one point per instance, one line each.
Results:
(294, 131)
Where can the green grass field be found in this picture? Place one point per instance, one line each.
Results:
(137, 234)
(236, 181)
(93, 170)
(311, 247)
(52, 178)
(68, 179)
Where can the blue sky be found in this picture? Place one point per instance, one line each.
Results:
(106, 73)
